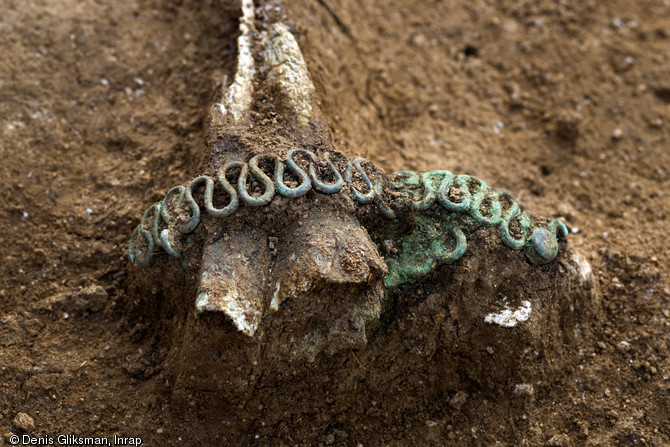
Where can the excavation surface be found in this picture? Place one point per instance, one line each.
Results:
(102, 109)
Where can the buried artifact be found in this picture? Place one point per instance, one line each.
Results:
(285, 252)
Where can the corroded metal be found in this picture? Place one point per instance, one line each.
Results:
(426, 218)
(453, 201)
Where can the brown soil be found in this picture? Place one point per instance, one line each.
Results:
(103, 108)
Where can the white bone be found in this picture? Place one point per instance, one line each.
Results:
(237, 97)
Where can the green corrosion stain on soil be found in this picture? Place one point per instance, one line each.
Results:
(422, 240)
(434, 209)
(432, 241)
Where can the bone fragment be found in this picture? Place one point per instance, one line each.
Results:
(337, 252)
(232, 280)
(334, 271)
(286, 68)
(237, 97)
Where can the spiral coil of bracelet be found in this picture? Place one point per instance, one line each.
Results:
(438, 187)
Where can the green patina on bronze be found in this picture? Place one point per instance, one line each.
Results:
(431, 242)
(428, 214)
(424, 236)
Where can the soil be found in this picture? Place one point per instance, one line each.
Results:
(104, 107)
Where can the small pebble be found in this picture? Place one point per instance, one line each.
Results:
(458, 400)
(24, 422)
(617, 134)
(623, 346)
(558, 440)
(524, 389)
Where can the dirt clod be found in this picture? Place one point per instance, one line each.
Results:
(559, 440)
(567, 125)
(91, 298)
(458, 400)
(623, 346)
(24, 422)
